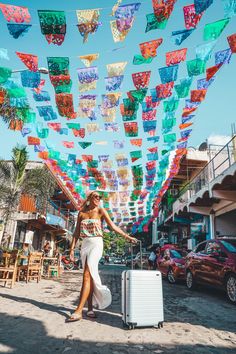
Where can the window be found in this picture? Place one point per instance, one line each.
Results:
(201, 247)
(229, 245)
(213, 247)
(175, 254)
(167, 253)
(20, 234)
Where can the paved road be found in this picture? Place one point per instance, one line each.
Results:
(32, 320)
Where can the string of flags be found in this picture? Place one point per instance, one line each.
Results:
(132, 182)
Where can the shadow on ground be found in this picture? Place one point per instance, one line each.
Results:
(41, 305)
(23, 335)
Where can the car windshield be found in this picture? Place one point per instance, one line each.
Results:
(176, 254)
(230, 245)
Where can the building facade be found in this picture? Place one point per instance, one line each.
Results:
(201, 201)
(34, 224)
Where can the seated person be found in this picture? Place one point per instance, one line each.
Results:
(26, 249)
(47, 248)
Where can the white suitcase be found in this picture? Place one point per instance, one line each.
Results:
(142, 298)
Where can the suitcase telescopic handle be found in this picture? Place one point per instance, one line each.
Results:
(141, 255)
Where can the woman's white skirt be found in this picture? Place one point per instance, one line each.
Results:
(92, 249)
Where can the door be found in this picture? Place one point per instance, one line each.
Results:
(212, 264)
(160, 261)
(196, 258)
(164, 262)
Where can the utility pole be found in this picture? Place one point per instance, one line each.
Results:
(233, 132)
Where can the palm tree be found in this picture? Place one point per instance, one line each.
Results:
(15, 181)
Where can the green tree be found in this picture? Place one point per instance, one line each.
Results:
(114, 243)
(106, 242)
(16, 180)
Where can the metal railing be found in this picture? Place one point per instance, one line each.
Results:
(222, 160)
(69, 223)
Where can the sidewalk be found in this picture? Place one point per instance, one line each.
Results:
(33, 316)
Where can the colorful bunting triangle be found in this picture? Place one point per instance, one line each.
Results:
(84, 144)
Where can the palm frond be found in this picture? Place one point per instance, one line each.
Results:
(19, 160)
(5, 171)
(9, 203)
(5, 191)
(7, 112)
(39, 183)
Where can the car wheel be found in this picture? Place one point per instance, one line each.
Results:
(171, 276)
(190, 280)
(231, 288)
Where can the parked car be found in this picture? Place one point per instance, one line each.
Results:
(171, 263)
(213, 263)
(111, 259)
(128, 260)
(137, 260)
(102, 261)
(117, 260)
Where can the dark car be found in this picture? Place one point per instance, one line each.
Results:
(102, 261)
(171, 263)
(118, 260)
(213, 262)
(128, 260)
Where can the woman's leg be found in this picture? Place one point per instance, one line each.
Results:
(85, 290)
(90, 298)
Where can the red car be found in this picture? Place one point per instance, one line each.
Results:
(213, 262)
(171, 263)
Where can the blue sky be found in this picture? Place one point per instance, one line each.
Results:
(215, 114)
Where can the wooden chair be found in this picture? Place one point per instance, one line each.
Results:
(33, 268)
(54, 267)
(22, 267)
(8, 268)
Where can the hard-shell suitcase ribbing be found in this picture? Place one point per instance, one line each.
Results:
(142, 297)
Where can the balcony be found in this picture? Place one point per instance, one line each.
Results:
(221, 165)
(51, 213)
(55, 216)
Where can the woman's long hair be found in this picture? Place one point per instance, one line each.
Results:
(86, 203)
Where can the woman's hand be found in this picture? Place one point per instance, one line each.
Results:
(132, 239)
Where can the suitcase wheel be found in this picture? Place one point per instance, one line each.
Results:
(131, 326)
(160, 325)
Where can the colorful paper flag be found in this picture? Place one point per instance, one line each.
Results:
(17, 14)
(176, 57)
(213, 30)
(232, 42)
(191, 18)
(149, 49)
(180, 36)
(30, 60)
(17, 30)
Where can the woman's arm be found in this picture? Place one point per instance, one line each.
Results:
(115, 228)
(75, 237)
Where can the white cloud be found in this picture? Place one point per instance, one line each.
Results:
(218, 139)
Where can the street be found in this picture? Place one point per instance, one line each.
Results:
(33, 320)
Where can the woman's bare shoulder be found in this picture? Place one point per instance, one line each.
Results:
(101, 211)
(81, 216)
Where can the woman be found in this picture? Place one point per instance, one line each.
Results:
(46, 249)
(89, 227)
